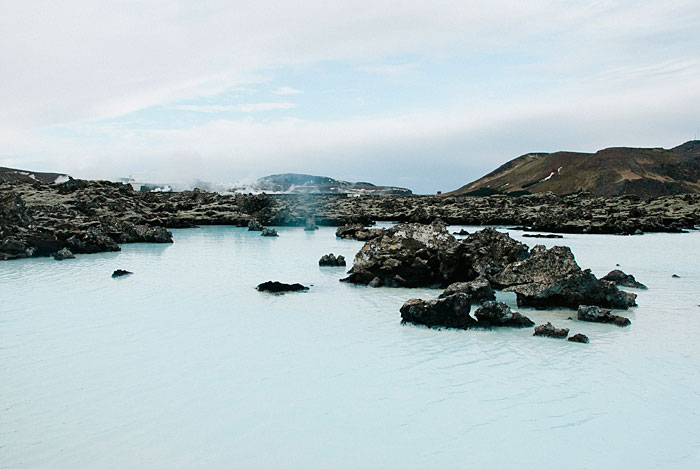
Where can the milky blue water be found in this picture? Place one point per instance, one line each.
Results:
(185, 364)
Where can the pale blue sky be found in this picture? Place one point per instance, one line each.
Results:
(428, 95)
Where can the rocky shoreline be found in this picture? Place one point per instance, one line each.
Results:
(95, 216)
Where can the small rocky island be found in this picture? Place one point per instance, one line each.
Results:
(420, 255)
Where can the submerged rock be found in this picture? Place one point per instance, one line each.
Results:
(63, 254)
(497, 313)
(596, 314)
(120, 273)
(452, 311)
(552, 278)
(479, 290)
(548, 330)
(539, 235)
(279, 287)
(581, 338)
(329, 260)
(269, 232)
(618, 277)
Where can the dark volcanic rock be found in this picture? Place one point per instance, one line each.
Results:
(547, 236)
(357, 231)
(63, 254)
(596, 314)
(120, 273)
(618, 277)
(461, 232)
(452, 311)
(497, 313)
(581, 338)
(329, 260)
(548, 330)
(408, 255)
(269, 232)
(255, 225)
(490, 251)
(552, 278)
(279, 287)
(479, 290)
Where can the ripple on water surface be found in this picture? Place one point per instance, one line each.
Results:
(185, 363)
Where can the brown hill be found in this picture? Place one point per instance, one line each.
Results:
(20, 175)
(647, 172)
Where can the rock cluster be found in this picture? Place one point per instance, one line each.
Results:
(548, 330)
(452, 311)
(417, 255)
(596, 314)
(551, 277)
(329, 260)
(269, 232)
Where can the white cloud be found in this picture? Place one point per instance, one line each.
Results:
(112, 58)
(285, 90)
(587, 74)
(251, 107)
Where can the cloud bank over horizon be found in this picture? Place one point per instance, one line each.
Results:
(426, 96)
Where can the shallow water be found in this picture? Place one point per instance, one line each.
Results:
(185, 364)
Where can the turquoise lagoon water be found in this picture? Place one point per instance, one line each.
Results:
(185, 364)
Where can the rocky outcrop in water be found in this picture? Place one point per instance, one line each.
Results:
(279, 287)
(120, 273)
(255, 225)
(596, 314)
(618, 277)
(329, 260)
(548, 330)
(580, 338)
(63, 254)
(409, 255)
(551, 277)
(499, 314)
(479, 290)
(452, 311)
(269, 232)
(357, 231)
(489, 251)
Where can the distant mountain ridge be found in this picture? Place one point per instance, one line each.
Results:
(20, 175)
(293, 183)
(646, 172)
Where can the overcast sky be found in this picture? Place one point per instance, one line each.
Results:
(426, 95)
